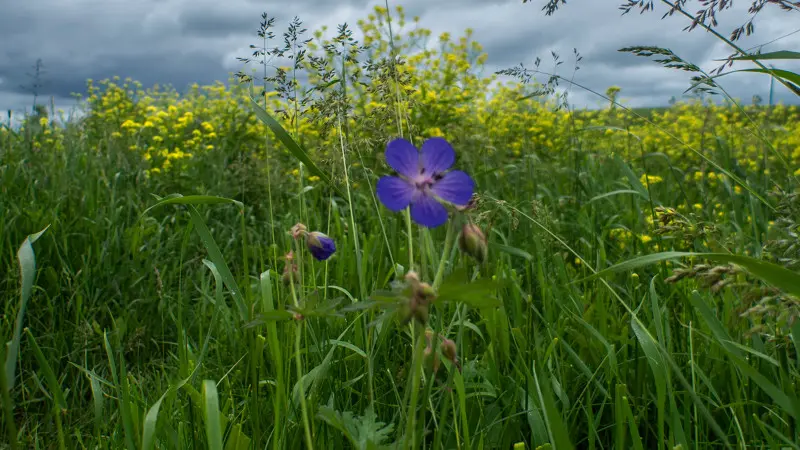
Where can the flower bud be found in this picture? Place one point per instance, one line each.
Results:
(290, 273)
(448, 348)
(320, 245)
(419, 311)
(298, 230)
(431, 359)
(473, 242)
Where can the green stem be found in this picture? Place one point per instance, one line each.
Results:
(411, 419)
(11, 426)
(303, 407)
(299, 365)
(59, 427)
(448, 246)
(410, 240)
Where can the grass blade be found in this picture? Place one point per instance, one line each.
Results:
(211, 412)
(774, 274)
(178, 199)
(59, 404)
(294, 148)
(780, 54)
(27, 267)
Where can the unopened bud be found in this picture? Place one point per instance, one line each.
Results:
(290, 274)
(448, 347)
(431, 359)
(298, 231)
(320, 245)
(473, 242)
(420, 312)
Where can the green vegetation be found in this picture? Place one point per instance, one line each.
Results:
(155, 296)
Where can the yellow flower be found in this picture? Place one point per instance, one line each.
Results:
(698, 206)
(313, 178)
(650, 179)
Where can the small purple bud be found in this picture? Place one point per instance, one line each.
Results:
(320, 245)
(473, 242)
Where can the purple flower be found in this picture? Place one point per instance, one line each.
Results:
(320, 245)
(423, 182)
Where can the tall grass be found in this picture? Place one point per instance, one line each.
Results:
(156, 314)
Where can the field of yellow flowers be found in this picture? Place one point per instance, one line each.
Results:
(621, 278)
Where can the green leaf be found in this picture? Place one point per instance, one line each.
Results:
(275, 315)
(774, 274)
(785, 400)
(780, 54)
(151, 419)
(556, 428)
(178, 199)
(348, 346)
(294, 148)
(211, 412)
(790, 79)
(49, 375)
(478, 294)
(214, 253)
(364, 432)
(617, 192)
(513, 251)
(27, 267)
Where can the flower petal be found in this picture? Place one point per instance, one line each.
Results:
(403, 157)
(455, 187)
(395, 193)
(428, 212)
(437, 155)
(320, 245)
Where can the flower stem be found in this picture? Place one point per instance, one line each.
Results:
(303, 407)
(299, 363)
(448, 246)
(410, 240)
(416, 363)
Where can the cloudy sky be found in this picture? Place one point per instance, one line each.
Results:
(179, 42)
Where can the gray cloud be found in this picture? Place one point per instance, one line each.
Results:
(179, 42)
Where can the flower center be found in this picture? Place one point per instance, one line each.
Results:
(424, 181)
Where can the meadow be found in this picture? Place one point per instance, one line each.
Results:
(619, 279)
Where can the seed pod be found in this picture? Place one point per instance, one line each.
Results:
(473, 242)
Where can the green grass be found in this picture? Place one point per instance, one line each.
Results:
(155, 320)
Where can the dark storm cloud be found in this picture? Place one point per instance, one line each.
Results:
(179, 42)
